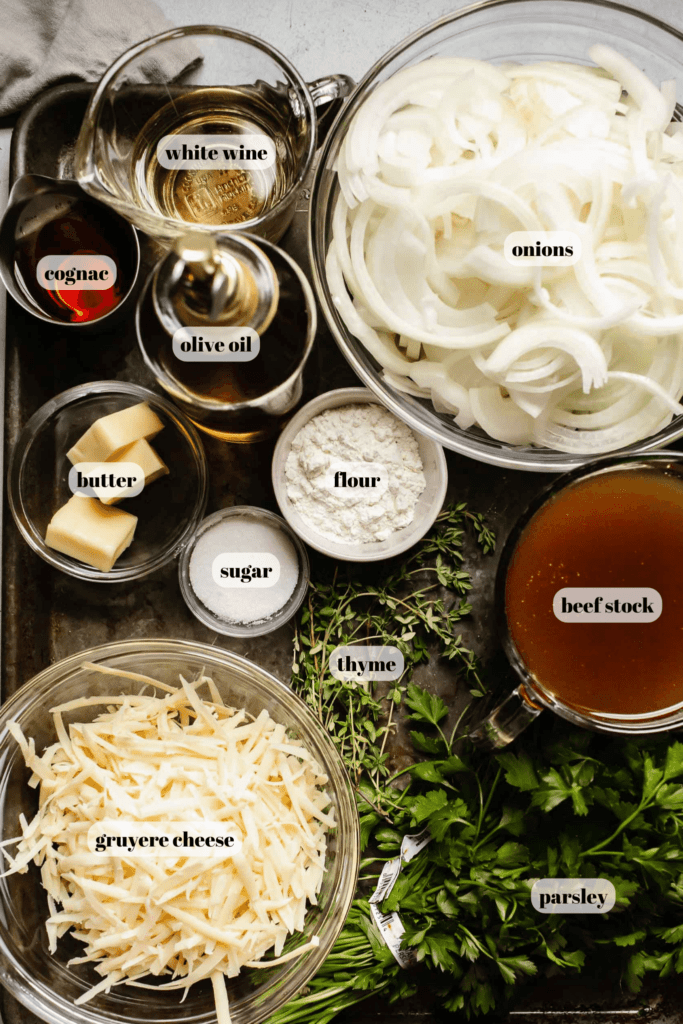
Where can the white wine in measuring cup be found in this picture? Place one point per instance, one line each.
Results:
(251, 120)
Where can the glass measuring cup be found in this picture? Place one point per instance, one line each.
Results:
(191, 82)
(533, 695)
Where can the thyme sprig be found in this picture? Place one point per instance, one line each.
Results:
(419, 602)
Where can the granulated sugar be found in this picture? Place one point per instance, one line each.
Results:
(243, 604)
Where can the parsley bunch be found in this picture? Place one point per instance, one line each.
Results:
(572, 804)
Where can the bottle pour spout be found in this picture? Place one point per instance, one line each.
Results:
(216, 281)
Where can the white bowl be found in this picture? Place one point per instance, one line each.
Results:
(428, 505)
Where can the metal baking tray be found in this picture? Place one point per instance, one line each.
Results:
(47, 615)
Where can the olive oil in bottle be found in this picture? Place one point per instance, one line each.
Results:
(208, 287)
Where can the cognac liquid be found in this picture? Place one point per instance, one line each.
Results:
(61, 225)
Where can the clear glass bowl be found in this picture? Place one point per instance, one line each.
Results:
(42, 981)
(245, 513)
(168, 510)
(495, 31)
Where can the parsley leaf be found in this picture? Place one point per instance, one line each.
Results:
(424, 706)
(423, 807)
(519, 770)
(429, 744)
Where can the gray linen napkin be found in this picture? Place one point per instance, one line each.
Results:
(44, 42)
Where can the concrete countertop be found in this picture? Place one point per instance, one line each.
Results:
(320, 37)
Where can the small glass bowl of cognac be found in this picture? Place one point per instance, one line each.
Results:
(64, 257)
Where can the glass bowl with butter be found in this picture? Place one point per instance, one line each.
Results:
(107, 481)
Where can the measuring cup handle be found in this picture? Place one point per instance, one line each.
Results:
(328, 94)
(506, 721)
(331, 87)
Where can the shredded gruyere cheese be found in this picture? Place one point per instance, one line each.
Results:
(160, 759)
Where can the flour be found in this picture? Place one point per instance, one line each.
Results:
(353, 434)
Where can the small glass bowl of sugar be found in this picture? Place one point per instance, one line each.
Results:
(245, 572)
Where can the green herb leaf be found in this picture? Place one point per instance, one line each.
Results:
(428, 744)
(454, 813)
(428, 771)
(424, 706)
(519, 770)
(673, 764)
(423, 807)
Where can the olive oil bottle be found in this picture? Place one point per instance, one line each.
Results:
(210, 285)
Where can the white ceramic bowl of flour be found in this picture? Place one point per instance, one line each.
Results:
(428, 505)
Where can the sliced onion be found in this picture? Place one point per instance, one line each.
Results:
(650, 385)
(438, 166)
(500, 417)
(405, 385)
(384, 351)
(653, 106)
(581, 346)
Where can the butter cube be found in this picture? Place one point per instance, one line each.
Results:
(141, 454)
(109, 434)
(86, 529)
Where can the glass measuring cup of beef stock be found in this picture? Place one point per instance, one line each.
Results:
(589, 602)
(202, 125)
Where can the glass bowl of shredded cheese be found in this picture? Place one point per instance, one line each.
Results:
(534, 117)
(150, 733)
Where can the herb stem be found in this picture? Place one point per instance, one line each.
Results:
(627, 821)
(484, 809)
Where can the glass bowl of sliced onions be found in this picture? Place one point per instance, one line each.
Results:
(131, 742)
(545, 117)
